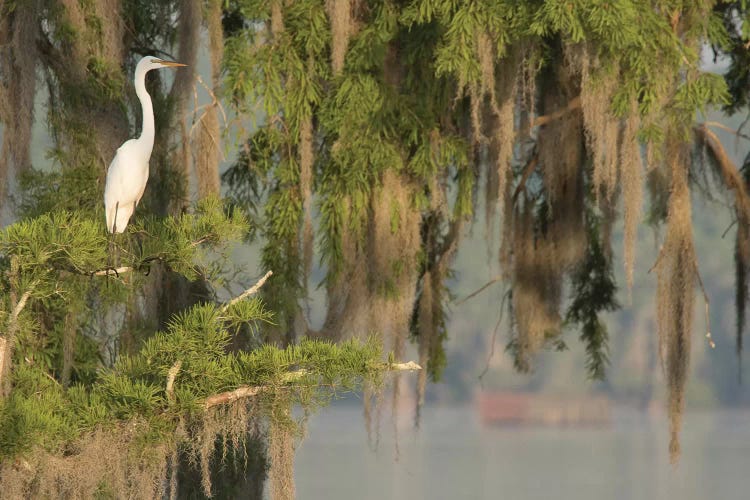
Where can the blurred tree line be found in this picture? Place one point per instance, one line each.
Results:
(375, 123)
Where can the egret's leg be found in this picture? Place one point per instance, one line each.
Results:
(114, 222)
(114, 253)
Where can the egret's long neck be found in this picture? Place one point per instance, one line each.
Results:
(147, 133)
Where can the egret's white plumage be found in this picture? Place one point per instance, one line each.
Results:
(128, 173)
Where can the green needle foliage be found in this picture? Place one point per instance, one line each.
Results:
(378, 129)
(383, 118)
(185, 388)
(594, 293)
(51, 429)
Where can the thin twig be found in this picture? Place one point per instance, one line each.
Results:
(215, 99)
(250, 291)
(743, 124)
(728, 228)
(51, 378)
(658, 259)
(205, 129)
(709, 337)
(725, 128)
(479, 290)
(199, 241)
(127, 269)
(494, 337)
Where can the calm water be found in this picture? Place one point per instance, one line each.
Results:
(452, 456)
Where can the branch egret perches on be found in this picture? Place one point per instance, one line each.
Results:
(128, 172)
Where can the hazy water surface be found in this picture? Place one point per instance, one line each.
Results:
(452, 456)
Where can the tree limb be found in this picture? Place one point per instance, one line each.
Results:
(247, 391)
(539, 121)
(17, 310)
(527, 170)
(116, 271)
(250, 291)
(726, 129)
(729, 172)
(574, 103)
(231, 396)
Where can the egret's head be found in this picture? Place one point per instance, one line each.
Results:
(150, 62)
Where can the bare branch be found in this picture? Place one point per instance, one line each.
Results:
(250, 291)
(574, 104)
(709, 337)
(479, 290)
(116, 271)
(231, 396)
(494, 337)
(199, 241)
(726, 129)
(730, 226)
(215, 99)
(408, 366)
(658, 259)
(17, 310)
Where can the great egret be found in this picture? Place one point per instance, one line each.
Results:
(128, 172)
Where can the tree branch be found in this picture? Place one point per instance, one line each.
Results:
(527, 170)
(127, 269)
(17, 310)
(116, 271)
(250, 291)
(247, 391)
(479, 290)
(574, 104)
(409, 366)
(729, 172)
(709, 337)
(494, 337)
(726, 129)
(231, 396)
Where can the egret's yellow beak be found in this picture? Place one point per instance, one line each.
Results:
(170, 63)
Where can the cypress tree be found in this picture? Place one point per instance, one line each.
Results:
(440, 97)
(376, 122)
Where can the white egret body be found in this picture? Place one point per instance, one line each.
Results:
(128, 172)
